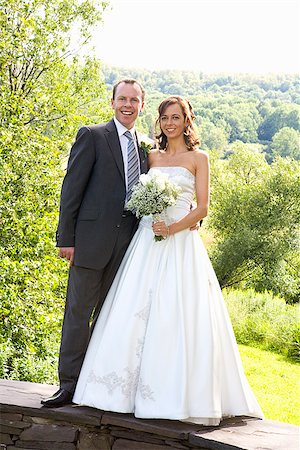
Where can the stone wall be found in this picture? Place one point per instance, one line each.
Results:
(25, 424)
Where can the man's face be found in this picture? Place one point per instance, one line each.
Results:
(127, 103)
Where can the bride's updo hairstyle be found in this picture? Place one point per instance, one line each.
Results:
(190, 135)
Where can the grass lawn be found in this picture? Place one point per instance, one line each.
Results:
(275, 382)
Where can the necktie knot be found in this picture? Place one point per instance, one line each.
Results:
(128, 135)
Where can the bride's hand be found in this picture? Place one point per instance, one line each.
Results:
(160, 229)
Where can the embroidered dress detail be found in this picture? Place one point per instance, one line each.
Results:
(112, 381)
(139, 347)
(144, 313)
(145, 391)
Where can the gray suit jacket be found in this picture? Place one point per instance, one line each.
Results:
(93, 195)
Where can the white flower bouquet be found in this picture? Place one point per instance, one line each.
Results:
(152, 195)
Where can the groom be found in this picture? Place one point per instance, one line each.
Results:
(95, 228)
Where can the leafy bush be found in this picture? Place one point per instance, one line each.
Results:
(254, 217)
(31, 309)
(264, 320)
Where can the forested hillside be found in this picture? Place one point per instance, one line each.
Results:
(262, 110)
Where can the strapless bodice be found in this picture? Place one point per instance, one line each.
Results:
(186, 181)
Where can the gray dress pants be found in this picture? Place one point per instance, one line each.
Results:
(86, 292)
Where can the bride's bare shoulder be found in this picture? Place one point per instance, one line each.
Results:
(201, 157)
(199, 152)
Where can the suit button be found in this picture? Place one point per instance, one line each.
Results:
(118, 226)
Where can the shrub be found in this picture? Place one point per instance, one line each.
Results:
(264, 320)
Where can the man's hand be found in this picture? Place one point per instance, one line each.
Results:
(195, 227)
(68, 253)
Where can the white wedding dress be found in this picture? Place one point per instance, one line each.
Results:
(163, 346)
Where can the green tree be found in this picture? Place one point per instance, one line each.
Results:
(212, 137)
(46, 93)
(255, 218)
(242, 120)
(286, 142)
(281, 116)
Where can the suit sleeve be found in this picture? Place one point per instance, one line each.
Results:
(80, 165)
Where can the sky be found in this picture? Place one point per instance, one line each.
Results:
(256, 36)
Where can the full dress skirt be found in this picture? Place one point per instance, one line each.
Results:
(163, 345)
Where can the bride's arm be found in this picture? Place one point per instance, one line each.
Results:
(202, 196)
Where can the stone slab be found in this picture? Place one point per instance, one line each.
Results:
(122, 444)
(39, 420)
(54, 433)
(176, 445)
(23, 448)
(94, 441)
(136, 436)
(166, 428)
(10, 430)
(22, 393)
(13, 423)
(33, 445)
(11, 416)
(249, 434)
(19, 396)
(66, 414)
(5, 439)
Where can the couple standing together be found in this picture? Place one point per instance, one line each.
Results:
(162, 344)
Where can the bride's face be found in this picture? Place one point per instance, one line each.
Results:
(172, 121)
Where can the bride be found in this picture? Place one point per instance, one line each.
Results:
(163, 345)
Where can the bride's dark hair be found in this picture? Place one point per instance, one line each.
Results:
(190, 135)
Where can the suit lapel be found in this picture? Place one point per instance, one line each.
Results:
(115, 146)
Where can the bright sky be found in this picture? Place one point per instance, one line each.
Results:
(207, 35)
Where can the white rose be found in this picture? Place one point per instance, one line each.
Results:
(144, 178)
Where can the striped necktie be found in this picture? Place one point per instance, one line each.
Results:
(133, 172)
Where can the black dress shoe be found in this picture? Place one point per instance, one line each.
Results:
(60, 398)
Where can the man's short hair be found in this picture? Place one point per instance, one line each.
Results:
(128, 81)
